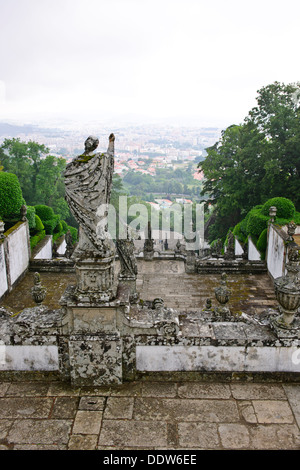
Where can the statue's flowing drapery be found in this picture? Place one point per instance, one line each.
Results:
(88, 180)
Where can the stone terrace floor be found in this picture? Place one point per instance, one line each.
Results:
(161, 278)
(150, 416)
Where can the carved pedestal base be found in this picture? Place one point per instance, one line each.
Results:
(127, 289)
(93, 344)
(148, 255)
(95, 279)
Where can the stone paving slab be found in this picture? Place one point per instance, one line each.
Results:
(148, 415)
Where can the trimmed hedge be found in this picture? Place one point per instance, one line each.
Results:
(74, 233)
(37, 238)
(44, 212)
(285, 208)
(64, 226)
(262, 242)
(39, 226)
(256, 223)
(11, 198)
(31, 218)
(50, 226)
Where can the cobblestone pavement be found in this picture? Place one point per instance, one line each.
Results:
(150, 416)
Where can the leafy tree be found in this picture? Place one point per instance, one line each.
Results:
(255, 160)
(11, 196)
(24, 159)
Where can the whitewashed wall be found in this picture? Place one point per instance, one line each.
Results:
(253, 253)
(276, 252)
(14, 256)
(3, 276)
(238, 250)
(19, 254)
(62, 247)
(45, 251)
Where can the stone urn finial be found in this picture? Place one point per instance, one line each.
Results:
(23, 213)
(291, 229)
(38, 292)
(2, 228)
(272, 214)
(287, 291)
(223, 294)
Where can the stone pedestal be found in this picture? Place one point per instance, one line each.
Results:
(128, 284)
(95, 280)
(94, 342)
(190, 264)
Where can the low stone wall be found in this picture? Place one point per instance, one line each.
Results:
(3, 273)
(14, 256)
(62, 245)
(253, 253)
(44, 249)
(276, 251)
(55, 265)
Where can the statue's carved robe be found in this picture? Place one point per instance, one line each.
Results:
(88, 181)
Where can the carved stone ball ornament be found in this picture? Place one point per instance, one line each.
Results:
(287, 291)
(38, 292)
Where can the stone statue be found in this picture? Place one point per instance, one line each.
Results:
(229, 254)
(38, 291)
(149, 243)
(88, 180)
(128, 264)
(69, 244)
(23, 212)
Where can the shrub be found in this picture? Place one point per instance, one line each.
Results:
(58, 228)
(262, 242)
(256, 223)
(31, 217)
(37, 238)
(240, 232)
(50, 226)
(74, 233)
(11, 198)
(39, 226)
(64, 226)
(297, 218)
(285, 208)
(44, 212)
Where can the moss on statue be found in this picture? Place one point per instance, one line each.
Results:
(86, 158)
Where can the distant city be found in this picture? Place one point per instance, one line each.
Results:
(140, 148)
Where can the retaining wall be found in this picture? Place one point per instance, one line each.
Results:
(14, 256)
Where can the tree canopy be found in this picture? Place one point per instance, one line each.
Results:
(255, 160)
(39, 173)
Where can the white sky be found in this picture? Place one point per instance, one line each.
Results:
(172, 59)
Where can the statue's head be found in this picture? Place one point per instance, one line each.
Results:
(91, 143)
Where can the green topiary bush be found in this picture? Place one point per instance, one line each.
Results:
(256, 223)
(74, 233)
(296, 219)
(11, 198)
(31, 217)
(262, 242)
(39, 226)
(50, 226)
(37, 238)
(285, 208)
(44, 212)
(64, 226)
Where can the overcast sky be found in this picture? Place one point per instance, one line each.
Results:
(172, 59)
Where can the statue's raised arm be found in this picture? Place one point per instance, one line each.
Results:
(88, 181)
